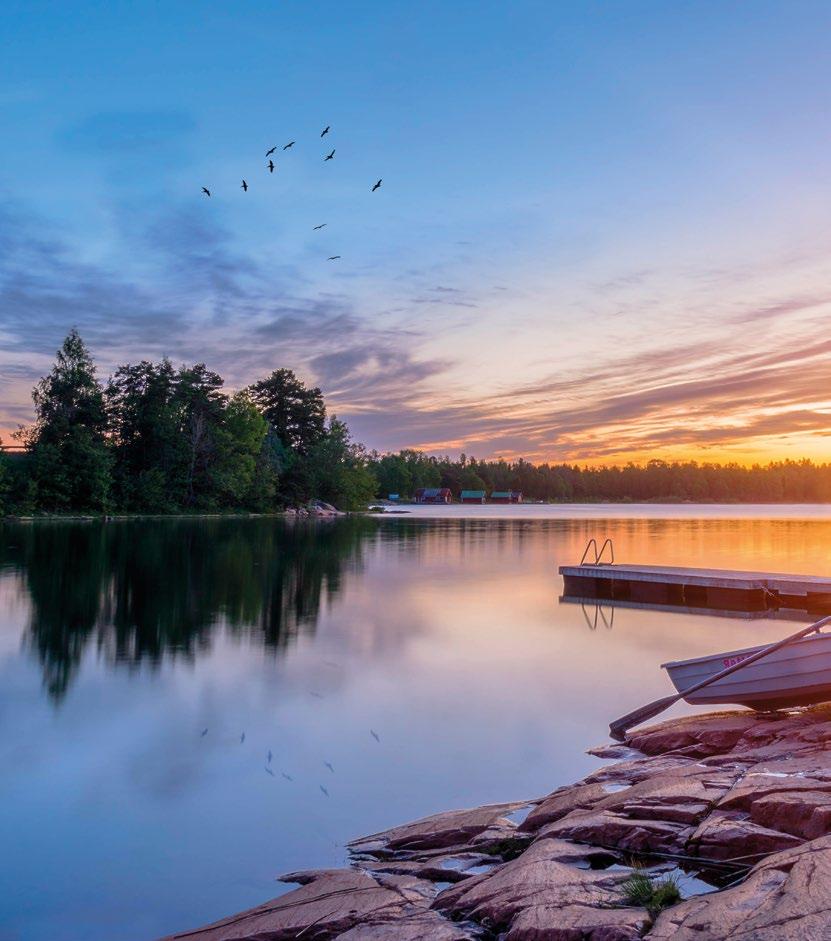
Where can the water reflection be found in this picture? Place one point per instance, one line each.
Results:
(121, 643)
(595, 614)
(140, 591)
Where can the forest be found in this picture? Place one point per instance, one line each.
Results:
(159, 439)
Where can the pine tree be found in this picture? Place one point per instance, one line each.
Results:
(71, 461)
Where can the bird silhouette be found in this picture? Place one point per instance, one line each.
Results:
(377, 185)
(375, 735)
(333, 258)
(290, 144)
(288, 777)
(269, 771)
(268, 153)
(321, 226)
(244, 187)
(323, 789)
(271, 166)
(315, 694)
(204, 733)
(270, 756)
(206, 191)
(329, 156)
(329, 766)
(242, 738)
(325, 131)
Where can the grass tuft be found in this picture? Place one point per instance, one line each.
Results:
(652, 894)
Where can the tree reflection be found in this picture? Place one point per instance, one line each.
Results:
(141, 591)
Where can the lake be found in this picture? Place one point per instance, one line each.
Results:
(147, 668)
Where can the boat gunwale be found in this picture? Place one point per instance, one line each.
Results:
(811, 638)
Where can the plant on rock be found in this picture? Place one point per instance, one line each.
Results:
(652, 894)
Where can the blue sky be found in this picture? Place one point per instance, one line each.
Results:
(602, 232)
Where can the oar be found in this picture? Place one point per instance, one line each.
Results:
(618, 728)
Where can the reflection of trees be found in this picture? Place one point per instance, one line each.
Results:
(145, 590)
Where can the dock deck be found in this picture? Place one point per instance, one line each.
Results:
(698, 587)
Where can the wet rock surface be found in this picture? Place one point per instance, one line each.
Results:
(744, 800)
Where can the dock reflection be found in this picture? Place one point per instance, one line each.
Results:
(604, 611)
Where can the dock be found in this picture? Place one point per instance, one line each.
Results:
(697, 587)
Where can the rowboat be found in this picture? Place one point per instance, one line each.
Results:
(797, 674)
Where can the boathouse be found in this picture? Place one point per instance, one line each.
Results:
(433, 495)
(472, 496)
(506, 496)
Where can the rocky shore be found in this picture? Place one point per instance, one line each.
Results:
(733, 808)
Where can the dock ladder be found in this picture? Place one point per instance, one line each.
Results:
(598, 555)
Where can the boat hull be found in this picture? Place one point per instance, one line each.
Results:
(798, 674)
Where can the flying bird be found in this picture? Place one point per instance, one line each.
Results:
(271, 166)
(269, 771)
(325, 131)
(333, 258)
(204, 732)
(375, 735)
(321, 226)
(244, 186)
(290, 144)
(242, 738)
(329, 766)
(269, 756)
(315, 694)
(206, 191)
(268, 153)
(323, 789)
(377, 185)
(288, 777)
(329, 156)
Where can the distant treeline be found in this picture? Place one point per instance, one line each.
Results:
(159, 439)
(659, 481)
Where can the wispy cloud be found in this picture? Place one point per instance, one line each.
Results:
(717, 361)
(680, 397)
(199, 299)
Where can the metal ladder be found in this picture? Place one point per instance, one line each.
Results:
(598, 556)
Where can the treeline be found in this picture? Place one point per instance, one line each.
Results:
(657, 481)
(160, 439)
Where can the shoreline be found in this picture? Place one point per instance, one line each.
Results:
(301, 512)
(733, 807)
(405, 507)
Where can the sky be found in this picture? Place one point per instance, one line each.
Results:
(603, 233)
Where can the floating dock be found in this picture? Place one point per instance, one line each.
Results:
(697, 588)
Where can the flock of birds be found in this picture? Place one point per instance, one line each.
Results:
(270, 757)
(271, 166)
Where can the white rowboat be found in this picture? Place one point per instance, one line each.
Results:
(797, 674)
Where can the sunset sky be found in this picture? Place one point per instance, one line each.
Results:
(604, 231)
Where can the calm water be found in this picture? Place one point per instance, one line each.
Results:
(121, 643)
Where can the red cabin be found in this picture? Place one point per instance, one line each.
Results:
(433, 495)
